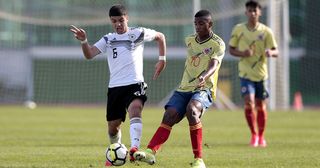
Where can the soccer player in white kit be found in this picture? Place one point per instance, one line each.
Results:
(127, 89)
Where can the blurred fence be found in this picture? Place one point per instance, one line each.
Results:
(42, 62)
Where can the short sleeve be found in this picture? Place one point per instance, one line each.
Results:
(220, 51)
(270, 40)
(149, 34)
(234, 37)
(101, 45)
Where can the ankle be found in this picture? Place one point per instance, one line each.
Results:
(151, 151)
(254, 134)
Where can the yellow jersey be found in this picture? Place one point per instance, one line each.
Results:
(197, 61)
(261, 38)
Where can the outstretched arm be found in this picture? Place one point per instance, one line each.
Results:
(88, 50)
(160, 38)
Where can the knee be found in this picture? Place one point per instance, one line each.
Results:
(249, 101)
(170, 117)
(135, 108)
(262, 108)
(261, 105)
(249, 105)
(193, 114)
(136, 105)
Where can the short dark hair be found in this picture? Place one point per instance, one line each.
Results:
(203, 13)
(117, 10)
(253, 4)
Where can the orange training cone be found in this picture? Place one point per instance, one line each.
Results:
(297, 101)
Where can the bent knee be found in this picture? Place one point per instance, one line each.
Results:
(136, 104)
(171, 117)
(193, 114)
(135, 108)
(249, 104)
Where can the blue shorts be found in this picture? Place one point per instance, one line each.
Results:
(180, 100)
(259, 89)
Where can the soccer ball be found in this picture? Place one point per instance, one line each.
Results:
(117, 154)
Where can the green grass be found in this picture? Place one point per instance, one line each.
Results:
(64, 137)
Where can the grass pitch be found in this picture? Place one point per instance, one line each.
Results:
(75, 137)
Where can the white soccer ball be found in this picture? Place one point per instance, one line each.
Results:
(30, 104)
(117, 154)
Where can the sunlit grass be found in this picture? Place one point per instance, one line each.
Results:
(76, 137)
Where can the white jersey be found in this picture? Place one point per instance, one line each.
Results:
(125, 55)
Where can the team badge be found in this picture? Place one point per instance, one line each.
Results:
(260, 36)
(244, 89)
(132, 37)
(207, 50)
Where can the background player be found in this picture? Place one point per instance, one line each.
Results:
(126, 90)
(253, 42)
(196, 91)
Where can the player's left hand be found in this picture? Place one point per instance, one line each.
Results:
(158, 68)
(273, 52)
(201, 83)
(268, 52)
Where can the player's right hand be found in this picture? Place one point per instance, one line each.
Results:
(78, 33)
(248, 53)
(201, 83)
(268, 53)
(158, 68)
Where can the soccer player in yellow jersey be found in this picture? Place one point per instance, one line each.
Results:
(253, 42)
(196, 92)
